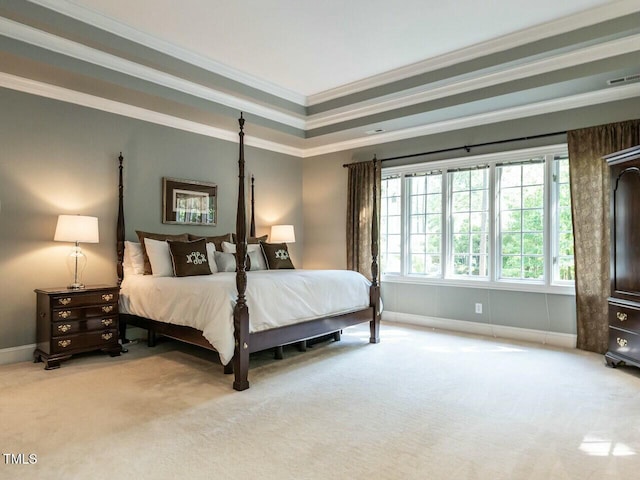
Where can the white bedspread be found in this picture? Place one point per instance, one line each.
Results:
(275, 298)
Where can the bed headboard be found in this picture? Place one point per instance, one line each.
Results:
(120, 231)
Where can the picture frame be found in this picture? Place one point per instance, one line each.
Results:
(189, 202)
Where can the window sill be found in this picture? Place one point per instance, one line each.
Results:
(484, 284)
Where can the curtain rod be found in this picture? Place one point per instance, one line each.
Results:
(466, 147)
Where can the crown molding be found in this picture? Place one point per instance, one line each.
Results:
(108, 24)
(555, 27)
(54, 92)
(507, 114)
(425, 93)
(78, 51)
(574, 101)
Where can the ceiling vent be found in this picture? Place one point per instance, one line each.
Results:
(374, 131)
(629, 78)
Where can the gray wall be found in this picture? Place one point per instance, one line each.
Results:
(61, 158)
(325, 203)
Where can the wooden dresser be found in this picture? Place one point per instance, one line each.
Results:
(624, 302)
(75, 321)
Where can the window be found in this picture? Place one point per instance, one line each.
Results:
(390, 225)
(469, 225)
(425, 223)
(521, 220)
(563, 265)
(501, 219)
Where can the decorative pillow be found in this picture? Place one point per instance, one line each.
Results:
(216, 240)
(133, 261)
(156, 236)
(159, 257)
(226, 262)
(277, 255)
(189, 258)
(211, 257)
(255, 262)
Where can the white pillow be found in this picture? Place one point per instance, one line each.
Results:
(251, 247)
(211, 257)
(133, 262)
(159, 257)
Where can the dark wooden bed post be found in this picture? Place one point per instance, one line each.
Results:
(374, 292)
(122, 325)
(241, 310)
(252, 224)
(120, 224)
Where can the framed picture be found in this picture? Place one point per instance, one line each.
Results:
(189, 202)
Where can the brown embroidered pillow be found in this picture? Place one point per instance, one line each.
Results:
(216, 240)
(277, 255)
(189, 258)
(183, 237)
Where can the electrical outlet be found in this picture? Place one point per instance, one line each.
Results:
(478, 308)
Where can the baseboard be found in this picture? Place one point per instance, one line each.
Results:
(565, 340)
(21, 353)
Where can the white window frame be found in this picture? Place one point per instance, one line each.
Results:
(548, 285)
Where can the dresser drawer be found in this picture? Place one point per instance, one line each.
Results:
(71, 343)
(624, 343)
(621, 316)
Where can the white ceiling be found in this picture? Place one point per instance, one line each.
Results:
(308, 47)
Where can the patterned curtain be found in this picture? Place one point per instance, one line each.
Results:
(360, 214)
(589, 176)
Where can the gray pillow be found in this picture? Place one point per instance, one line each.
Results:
(226, 262)
(253, 261)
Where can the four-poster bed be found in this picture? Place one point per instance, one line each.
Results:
(246, 337)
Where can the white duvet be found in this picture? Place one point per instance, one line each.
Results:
(275, 298)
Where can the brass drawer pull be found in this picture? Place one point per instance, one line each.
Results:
(64, 343)
(622, 342)
(64, 314)
(65, 327)
(107, 336)
(107, 322)
(64, 301)
(107, 297)
(107, 309)
(621, 316)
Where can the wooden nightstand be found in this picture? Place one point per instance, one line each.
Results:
(75, 321)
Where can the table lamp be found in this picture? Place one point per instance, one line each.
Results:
(282, 234)
(76, 229)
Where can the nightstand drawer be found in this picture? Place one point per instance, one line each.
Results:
(624, 343)
(80, 300)
(86, 340)
(67, 314)
(65, 328)
(624, 317)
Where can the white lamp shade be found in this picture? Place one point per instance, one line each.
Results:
(282, 234)
(77, 228)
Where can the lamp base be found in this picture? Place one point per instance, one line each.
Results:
(76, 286)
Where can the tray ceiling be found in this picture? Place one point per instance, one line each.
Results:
(317, 77)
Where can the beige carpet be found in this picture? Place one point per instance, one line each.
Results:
(422, 404)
